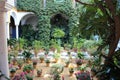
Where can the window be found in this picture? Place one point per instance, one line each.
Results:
(58, 1)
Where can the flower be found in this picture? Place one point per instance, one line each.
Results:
(79, 62)
(71, 68)
(82, 75)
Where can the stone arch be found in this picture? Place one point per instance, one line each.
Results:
(31, 19)
(61, 21)
(28, 19)
(14, 15)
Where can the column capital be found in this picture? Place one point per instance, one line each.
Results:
(4, 6)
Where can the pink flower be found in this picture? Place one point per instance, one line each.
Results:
(62, 77)
(10, 66)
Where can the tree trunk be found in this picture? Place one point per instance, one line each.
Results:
(115, 39)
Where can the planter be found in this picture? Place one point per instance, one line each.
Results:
(66, 65)
(20, 66)
(28, 71)
(41, 60)
(39, 73)
(12, 74)
(71, 73)
(47, 64)
(34, 66)
(14, 62)
(27, 60)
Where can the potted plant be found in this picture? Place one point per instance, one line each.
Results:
(83, 76)
(47, 62)
(56, 56)
(67, 63)
(20, 63)
(28, 68)
(34, 64)
(14, 61)
(58, 33)
(29, 77)
(78, 62)
(56, 70)
(39, 72)
(82, 68)
(12, 71)
(27, 55)
(37, 45)
(71, 71)
(21, 44)
(41, 59)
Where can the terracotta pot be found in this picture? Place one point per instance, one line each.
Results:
(41, 60)
(39, 74)
(71, 73)
(47, 64)
(34, 66)
(20, 66)
(14, 62)
(66, 65)
(28, 71)
(27, 60)
(12, 74)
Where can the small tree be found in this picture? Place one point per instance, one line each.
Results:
(58, 33)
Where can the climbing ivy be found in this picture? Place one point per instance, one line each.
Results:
(45, 13)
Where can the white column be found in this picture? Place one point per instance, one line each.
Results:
(44, 3)
(8, 30)
(3, 42)
(74, 3)
(17, 32)
(7, 24)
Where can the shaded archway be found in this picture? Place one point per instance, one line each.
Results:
(28, 20)
(60, 21)
(12, 28)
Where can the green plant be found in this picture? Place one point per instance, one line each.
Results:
(67, 61)
(28, 68)
(79, 62)
(41, 57)
(21, 43)
(56, 55)
(29, 77)
(58, 33)
(12, 70)
(80, 55)
(12, 42)
(27, 54)
(71, 70)
(47, 61)
(56, 70)
(20, 63)
(37, 45)
(35, 62)
(39, 72)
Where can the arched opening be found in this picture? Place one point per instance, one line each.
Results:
(12, 28)
(28, 23)
(60, 21)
